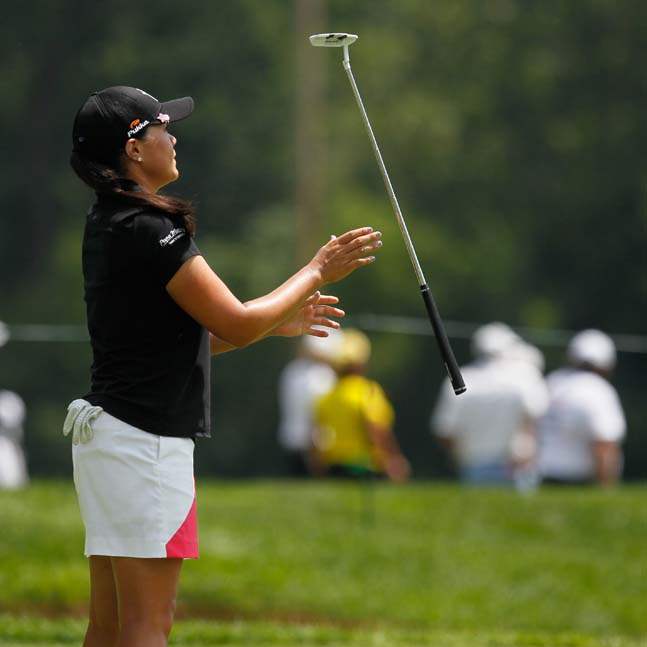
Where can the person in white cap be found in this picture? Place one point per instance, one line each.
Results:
(581, 434)
(303, 381)
(13, 467)
(490, 429)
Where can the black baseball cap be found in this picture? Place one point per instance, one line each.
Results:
(110, 117)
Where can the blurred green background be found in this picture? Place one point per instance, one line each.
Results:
(514, 132)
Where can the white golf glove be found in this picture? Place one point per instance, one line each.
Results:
(80, 413)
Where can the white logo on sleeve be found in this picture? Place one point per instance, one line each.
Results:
(172, 236)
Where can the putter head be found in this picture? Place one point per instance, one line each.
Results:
(335, 39)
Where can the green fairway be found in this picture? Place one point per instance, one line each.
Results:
(319, 563)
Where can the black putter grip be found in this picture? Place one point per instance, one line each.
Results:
(443, 343)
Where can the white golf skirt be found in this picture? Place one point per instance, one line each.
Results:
(136, 492)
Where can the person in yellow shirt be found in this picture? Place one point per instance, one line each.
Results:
(353, 434)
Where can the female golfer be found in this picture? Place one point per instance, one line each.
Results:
(156, 311)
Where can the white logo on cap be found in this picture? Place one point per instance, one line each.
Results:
(138, 127)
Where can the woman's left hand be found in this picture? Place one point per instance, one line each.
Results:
(317, 311)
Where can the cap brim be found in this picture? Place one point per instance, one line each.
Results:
(177, 109)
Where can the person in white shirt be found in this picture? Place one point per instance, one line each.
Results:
(581, 434)
(490, 429)
(13, 467)
(301, 383)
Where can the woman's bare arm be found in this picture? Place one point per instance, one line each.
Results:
(218, 346)
(198, 290)
(318, 311)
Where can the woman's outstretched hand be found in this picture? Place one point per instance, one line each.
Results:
(344, 254)
(317, 311)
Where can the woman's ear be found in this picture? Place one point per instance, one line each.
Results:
(134, 150)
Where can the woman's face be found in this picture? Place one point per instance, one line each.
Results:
(154, 161)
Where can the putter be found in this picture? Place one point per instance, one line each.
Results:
(345, 40)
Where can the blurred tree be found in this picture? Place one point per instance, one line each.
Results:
(514, 136)
(309, 129)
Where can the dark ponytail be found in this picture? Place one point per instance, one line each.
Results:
(105, 179)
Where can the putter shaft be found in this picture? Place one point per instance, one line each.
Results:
(385, 176)
(447, 354)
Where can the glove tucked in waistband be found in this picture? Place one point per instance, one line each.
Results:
(80, 413)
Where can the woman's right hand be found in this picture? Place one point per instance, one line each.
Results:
(344, 254)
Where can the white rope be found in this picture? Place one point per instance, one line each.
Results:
(559, 337)
(625, 343)
(47, 333)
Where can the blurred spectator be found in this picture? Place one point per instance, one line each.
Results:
(13, 468)
(490, 429)
(301, 383)
(353, 434)
(581, 433)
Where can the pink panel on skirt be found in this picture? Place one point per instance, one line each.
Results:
(184, 543)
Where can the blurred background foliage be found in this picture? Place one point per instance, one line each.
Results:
(514, 132)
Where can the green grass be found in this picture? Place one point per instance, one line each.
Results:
(288, 564)
(32, 632)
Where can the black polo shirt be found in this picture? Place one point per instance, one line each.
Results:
(151, 359)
